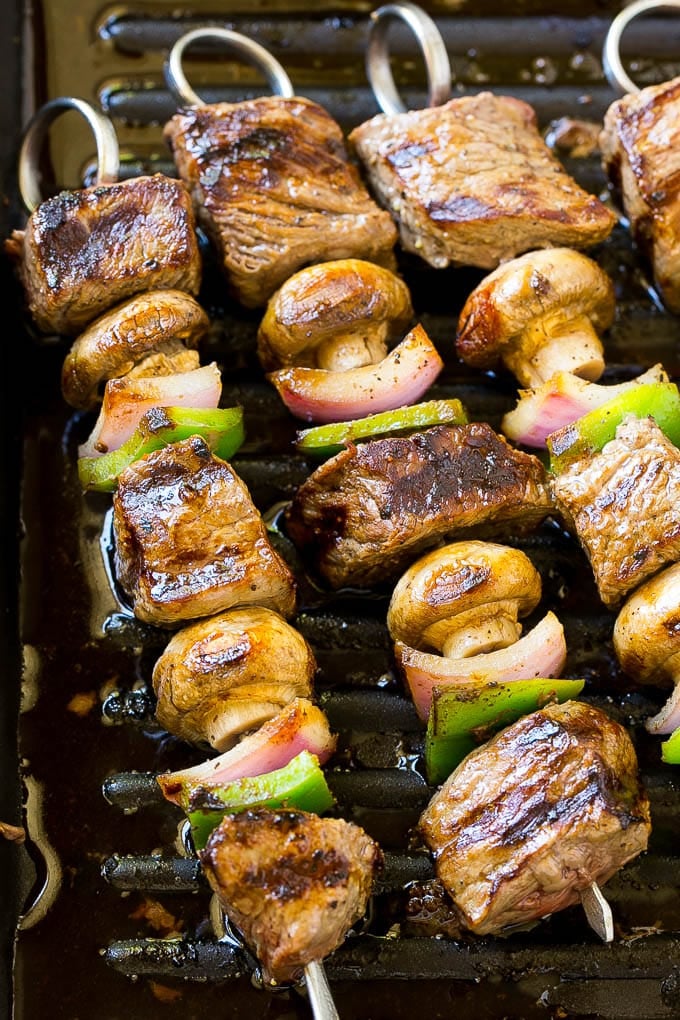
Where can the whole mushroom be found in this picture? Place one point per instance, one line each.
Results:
(454, 617)
(335, 316)
(647, 641)
(228, 674)
(539, 314)
(326, 343)
(151, 334)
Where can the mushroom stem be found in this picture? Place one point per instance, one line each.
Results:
(486, 636)
(554, 345)
(340, 353)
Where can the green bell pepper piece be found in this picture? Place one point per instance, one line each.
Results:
(222, 429)
(327, 440)
(464, 716)
(300, 784)
(670, 749)
(589, 434)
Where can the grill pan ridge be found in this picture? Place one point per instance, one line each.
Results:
(114, 914)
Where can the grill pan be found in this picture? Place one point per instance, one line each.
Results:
(103, 847)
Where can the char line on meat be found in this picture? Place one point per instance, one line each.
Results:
(189, 542)
(368, 511)
(84, 251)
(275, 191)
(473, 183)
(529, 820)
(622, 504)
(292, 882)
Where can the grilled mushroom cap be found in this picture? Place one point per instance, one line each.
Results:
(539, 314)
(464, 599)
(334, 315)
(647, 630)
(158, 322)
(227, 674)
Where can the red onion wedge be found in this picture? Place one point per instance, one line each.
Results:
(668, 719)
(300, 726)
(560, 401)
(540, 653)
(400, 379)
(127, 399)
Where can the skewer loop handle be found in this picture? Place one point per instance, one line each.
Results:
(611, 53)
(431, 44)
(108, 154)
(233, 42)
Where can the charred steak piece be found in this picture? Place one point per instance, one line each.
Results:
(84, 251)
(189, 541)
(640, 145)
(274, 189)
(622, 503)
(368, 511)
(292, 882)
(473, 183)
(531, 819)
(135, 333)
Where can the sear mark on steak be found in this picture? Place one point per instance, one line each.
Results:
(275, 191)
(640, 144)
(292, 882)
(473, 183)
(84, 251)
(189, 542)
(550, 805)
(622, 504)
(367, 512)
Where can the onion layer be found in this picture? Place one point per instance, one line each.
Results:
(301, 726)
(127, 399)
(401, 378)
(540, 653)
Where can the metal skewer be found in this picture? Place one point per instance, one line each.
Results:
(432, 46)
(35, 134)
(598, 912)
(320, 997)
(611, 53)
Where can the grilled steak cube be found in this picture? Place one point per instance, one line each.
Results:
(274, 190)
(292, 882)
(473, 183)
(367, 512)
(622, 503)
(84, 251)
(189, 541)
(640, 145)
(532, 818)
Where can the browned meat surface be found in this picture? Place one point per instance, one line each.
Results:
(274, 190)
(84, 251)
(222, 676)
(529, 820)
(189, 541)
(473, 183)
(640, 145)
(622, 503)
(368, 511)
(292, 882)
(160, 322)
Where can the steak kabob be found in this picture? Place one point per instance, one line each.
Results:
(190, 545)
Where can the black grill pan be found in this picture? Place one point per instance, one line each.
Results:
(103, 847)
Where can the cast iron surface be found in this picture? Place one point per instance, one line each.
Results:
(88, 743)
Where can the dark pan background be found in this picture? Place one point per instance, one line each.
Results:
(547, 53)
